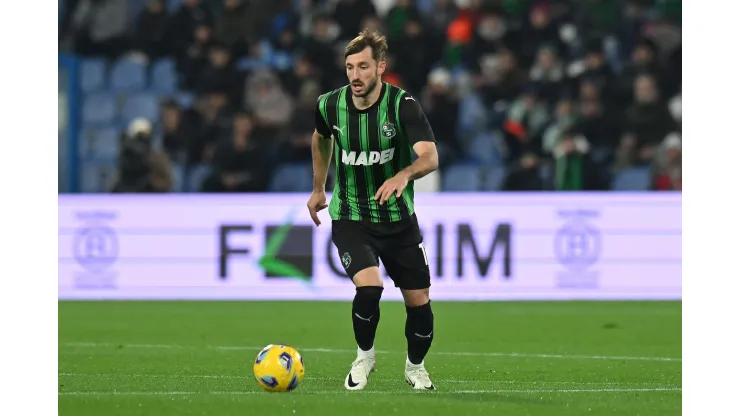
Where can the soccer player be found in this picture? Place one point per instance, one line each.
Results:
(373, 127)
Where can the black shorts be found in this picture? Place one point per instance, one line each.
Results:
(398, 245)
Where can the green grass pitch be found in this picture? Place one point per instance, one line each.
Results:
(488, 358)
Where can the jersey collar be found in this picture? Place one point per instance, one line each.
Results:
(351, 104)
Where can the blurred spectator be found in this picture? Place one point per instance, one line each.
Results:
(319, 49)
(547, 72)
(215, 119)
(151, 30)
(442, 108)
(564, 119)
(349, 14)
(627, 153)
(265, 98)
(219, 74)
(297, 147)
(539, 29)
(301, 73)
(305, 16)
(643, 61)
(287, 41)
(593, 69)
(648, 117)
(141, 168)
(196, 57)
(492, 34)
(599, 18)
(668, 165)
(500, 78)
(180, 133)
(574, 168)
(236, 26)
(183, 24)
(414, 54)
(398, 15)
(459, 35)
(239, 164)
(524, 175)
(526, 120)
(442, 14)
(99, 27)
(599, 127)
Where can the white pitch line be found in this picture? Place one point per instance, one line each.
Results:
(330, 350)
(339, 379)
(340, 392)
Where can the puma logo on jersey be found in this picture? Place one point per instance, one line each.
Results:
(341, 131)
(367, 158)
(408, 98)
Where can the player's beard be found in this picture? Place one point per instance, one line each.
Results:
(369, 87)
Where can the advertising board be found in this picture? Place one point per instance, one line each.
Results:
(480, 247)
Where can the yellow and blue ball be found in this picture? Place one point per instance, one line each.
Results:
(279, 368)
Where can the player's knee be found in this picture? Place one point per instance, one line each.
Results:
(368, 277)
(416, 297)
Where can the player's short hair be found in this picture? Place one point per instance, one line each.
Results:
(377, 42)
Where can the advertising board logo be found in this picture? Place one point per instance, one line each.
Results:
(288, 249)
(578, 247)
(95, 248)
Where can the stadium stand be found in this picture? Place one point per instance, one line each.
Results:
(522, 95)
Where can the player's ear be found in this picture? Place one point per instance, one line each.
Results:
(381, 67)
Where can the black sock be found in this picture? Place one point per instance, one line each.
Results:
(419, 331)
(366, 315)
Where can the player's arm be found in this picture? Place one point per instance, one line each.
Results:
(420, 134)
(322, 144)
(321, 150)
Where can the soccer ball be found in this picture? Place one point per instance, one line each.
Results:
(279, 368)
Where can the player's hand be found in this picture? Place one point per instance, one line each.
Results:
(316, 203)
(393, 185)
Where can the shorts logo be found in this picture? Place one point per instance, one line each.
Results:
(388, 130)
(346, 260)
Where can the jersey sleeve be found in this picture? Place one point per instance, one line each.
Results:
(320, 123)
(414, 121)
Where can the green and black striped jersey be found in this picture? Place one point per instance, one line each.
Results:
(371, 146)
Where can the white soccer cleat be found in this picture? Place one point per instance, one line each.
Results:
(358, 374)
(417, 376)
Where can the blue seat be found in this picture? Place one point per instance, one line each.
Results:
(461, 178)
(98, 108)
(164, 78)
(92, 75)
(127, 76)
(493, 178)
(292, 178)
(633, 179)
(96, 177)
(483, 149)
(195, 177)
(472, 115)
(282, 61)
(99, 144)
(185, 99)
(140, 105)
